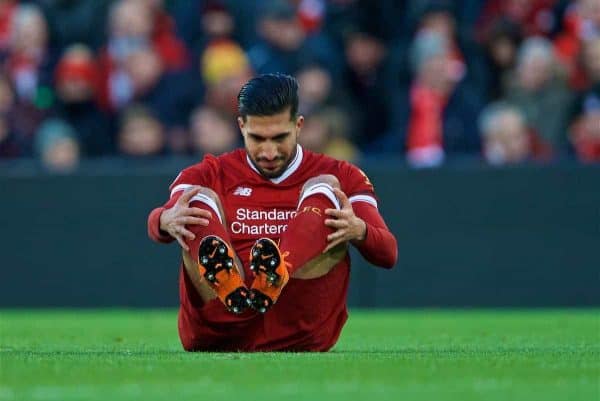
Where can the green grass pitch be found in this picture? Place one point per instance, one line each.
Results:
(431, 355)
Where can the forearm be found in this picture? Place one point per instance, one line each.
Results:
(379, 246)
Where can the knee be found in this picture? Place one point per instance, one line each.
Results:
(328, 179)
(212, 199)
(321, 184)
(210, 194)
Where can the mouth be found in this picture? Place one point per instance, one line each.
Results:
(269, 165)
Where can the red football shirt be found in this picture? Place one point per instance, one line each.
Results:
(309, 314)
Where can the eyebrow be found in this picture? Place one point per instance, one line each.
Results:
(274, 138)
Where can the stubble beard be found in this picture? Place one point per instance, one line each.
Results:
(277, 173)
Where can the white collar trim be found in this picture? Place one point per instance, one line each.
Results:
(289, 171)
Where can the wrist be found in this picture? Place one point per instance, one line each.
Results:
(161, 227)
(363, 232)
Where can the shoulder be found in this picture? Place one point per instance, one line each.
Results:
(355, 177)
(352, 178)
(323, 163)
(204, 173)
(233, 158)
(209, 163)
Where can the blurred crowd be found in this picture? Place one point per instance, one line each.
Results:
(505, 81)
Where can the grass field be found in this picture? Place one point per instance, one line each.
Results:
(386, 355)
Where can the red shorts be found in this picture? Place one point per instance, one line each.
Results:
(308, 316)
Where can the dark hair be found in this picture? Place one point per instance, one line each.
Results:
(268, 94)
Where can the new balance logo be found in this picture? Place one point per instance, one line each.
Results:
(242, 191)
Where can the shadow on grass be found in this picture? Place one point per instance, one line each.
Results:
(385, 353)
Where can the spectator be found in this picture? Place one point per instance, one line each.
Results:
(317, 89)
(29, 62)
(225, 68)
(441, 105)
(76, 81)
(135, 59)
(438, 17)
(217, 24)
(168, 46)
(311, 14)
(585, 131)
(76, 21)
(325, 131)
(375, 62)
(140, 133)
(501, 43)
(541, 92)
(212, 132)
(130, 26)
(590, 56)
(315, 86)
(506, 138)
(7, 12)
(56, 146)
(282, 45)
(9, 143)
(581, 24)
(535, 17)
(144, 69)
(368, 90)
(28, 67)
(382, 19)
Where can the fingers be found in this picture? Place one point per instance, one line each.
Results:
(345, 204)
(336, 235)
(332, 245)
(188, 194)
(190, 220)
(187, 234)
(196, 211)
(334, 223)
(344, 201)
(334, 213)
(182, 243)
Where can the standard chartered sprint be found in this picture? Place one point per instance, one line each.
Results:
(261, 222)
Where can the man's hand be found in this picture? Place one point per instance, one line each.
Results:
(348, 226)
(174, 220)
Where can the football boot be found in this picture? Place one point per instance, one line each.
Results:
(217, 266)
(270, 274)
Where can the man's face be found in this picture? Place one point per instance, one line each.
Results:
(271, 141)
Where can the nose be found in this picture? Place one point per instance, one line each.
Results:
(269, 151)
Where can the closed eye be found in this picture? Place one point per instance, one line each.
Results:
(281, 137)
(277, 138)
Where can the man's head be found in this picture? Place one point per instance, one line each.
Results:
(268, 107)
(76, 76)
(505, 135)
(536, 62)
(431, 59)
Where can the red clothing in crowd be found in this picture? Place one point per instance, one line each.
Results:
(425, 130)
(7, 10)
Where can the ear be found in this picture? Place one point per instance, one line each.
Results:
(240, 122)
(299, 122)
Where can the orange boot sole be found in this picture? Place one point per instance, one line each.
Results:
(217, 265)
(271, 274)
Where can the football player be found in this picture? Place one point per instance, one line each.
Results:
(264, 232)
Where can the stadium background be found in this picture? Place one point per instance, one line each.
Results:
(478, 122)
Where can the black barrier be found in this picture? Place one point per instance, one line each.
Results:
(468, 236)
